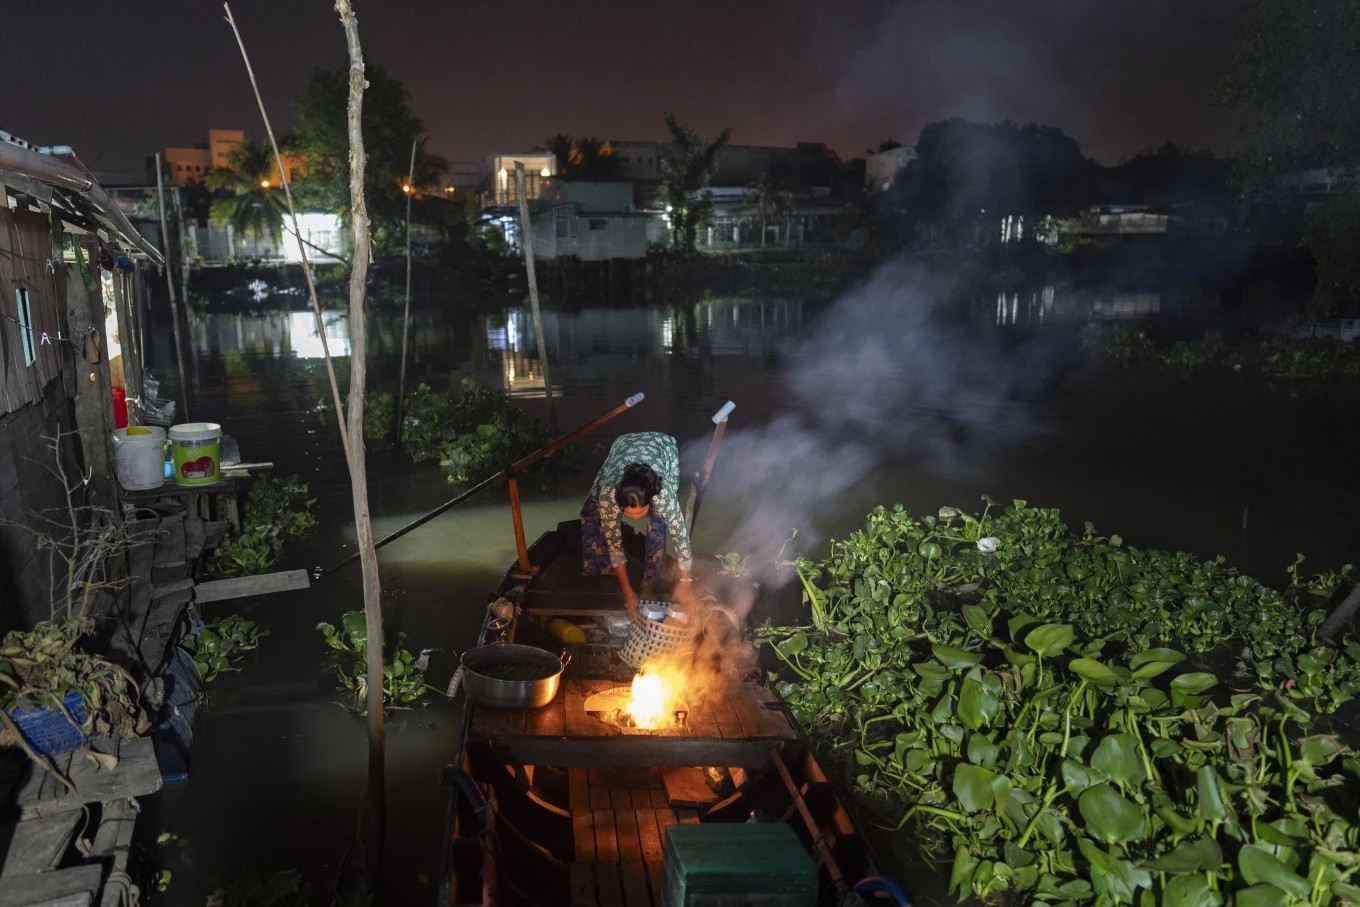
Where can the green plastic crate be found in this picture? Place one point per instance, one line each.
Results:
(737, 865)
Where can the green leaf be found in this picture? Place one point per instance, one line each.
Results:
(1193, 682)
(955, 658)
(1079, 777)
(1211, 805)
(355, 625)
(792, 646)
(1263, 895)
(978, 620)
(1197, 855)
(961, 875)
(1259, 866)
(981, 751)
(978, 705)
(1151, 662)
(973, 787)
(1049, 639)
(1109, 816)
(1117, 755)
(1098, 673)
(1190, 891)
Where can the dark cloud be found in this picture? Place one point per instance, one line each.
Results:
(119, 82)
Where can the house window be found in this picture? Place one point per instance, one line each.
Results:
(598, 223)
(26, 325)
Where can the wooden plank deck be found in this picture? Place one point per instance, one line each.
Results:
(731, 727)
(619, 833)
(137, 774)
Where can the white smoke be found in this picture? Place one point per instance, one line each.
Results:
(889, 374)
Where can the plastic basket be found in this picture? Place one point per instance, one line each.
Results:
(647, 638)
(47, 730)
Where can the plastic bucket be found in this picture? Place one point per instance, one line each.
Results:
(139, 457)
(197, 448)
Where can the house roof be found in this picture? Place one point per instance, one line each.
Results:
(45, 180)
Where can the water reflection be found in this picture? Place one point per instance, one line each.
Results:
(1067, 304)
(271, 334)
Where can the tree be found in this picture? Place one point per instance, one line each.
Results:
(963, 170)
(687, 165)
(1172, 174)
(586, 158)
(1300, 110)
(246, 193)
(561, 145)
(322, 143)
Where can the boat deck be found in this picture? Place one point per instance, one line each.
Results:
(737, 724)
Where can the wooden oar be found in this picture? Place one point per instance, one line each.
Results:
(696, 496)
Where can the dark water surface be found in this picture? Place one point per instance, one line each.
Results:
(883, 397)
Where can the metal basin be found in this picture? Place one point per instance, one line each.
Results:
(511, 676)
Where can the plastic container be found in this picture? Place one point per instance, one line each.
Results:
(139, 455)
(736, 863)
(198, 452)
(47, 730)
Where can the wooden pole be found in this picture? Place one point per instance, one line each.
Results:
(526, 230)
(697, 495)
(170, 285)
(526, 569)
(406, 318)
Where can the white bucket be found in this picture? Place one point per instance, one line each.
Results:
(139, 457)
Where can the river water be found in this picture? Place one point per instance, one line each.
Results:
(897, 392)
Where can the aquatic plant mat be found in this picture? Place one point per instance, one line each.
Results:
(1059, 718)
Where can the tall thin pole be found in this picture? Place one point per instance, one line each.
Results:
(406, 319)
(170, 284)
(526, 229)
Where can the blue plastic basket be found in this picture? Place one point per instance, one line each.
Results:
(47, 730)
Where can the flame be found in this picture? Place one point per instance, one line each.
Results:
(655, 694)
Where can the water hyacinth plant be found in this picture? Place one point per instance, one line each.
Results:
(1062, 719)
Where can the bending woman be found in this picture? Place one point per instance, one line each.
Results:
(640, 477)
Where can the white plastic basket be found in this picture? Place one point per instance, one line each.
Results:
(648, 638)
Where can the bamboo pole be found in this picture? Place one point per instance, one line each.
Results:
(170, 284)
(486, 483)
(697, 495)
(526, 229)
(406, 317)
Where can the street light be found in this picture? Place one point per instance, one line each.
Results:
(264, 184)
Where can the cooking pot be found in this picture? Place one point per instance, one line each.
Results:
(511, 676)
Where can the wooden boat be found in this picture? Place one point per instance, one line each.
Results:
(569, 804)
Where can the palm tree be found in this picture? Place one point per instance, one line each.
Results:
(686, 167)
(593, 159)
(246, 194)
(561, 146)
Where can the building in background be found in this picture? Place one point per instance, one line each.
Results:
(882, 169)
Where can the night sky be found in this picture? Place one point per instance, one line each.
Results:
(119, 81)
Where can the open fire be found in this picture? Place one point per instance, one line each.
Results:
(652, 702)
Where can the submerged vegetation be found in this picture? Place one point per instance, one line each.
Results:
(1060, 718)
(275, 510)
(469, 431)
(403, 673)
(1292, 358)
(220, 645)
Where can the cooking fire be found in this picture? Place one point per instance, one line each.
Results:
(652, 703)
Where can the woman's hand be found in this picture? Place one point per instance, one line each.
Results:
(630, 596)
(684, 590)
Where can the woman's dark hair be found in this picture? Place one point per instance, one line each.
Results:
(637, 487)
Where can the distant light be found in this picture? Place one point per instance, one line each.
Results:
(406, 187)
(264, 184)
(449, 190)
(544, 173)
